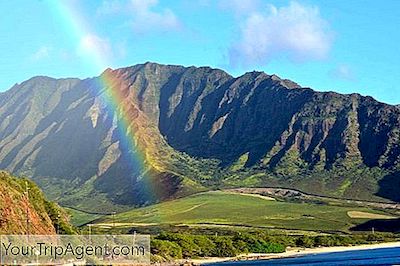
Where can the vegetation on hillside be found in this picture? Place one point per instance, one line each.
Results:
(24, 209)
(172, 246)
(168, 246)
(194, 129)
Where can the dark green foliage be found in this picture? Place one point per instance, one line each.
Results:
(324, 241)
(258, 244)
(186, 242)
(379, 237)
(57, 215)
(192, 245)
(217, 246)
(183, 245)
(59, 219)
(225, 247)
(343, 240)
(305, 241)
(206, 245)
(168, 249)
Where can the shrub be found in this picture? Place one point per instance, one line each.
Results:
(166, 249)
(206, 246)
(305, 241)
(224, 247)
(325, 241)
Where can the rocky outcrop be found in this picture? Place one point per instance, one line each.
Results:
(24, 209)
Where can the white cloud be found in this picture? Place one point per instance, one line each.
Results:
(143, 15)
(93, 45)
(146, 19)
(343, 72)
(240, 7)
(42, 53)
(297, 31)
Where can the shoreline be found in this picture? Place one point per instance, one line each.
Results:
(291, 252)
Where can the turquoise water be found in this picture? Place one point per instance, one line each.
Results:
(381, 256)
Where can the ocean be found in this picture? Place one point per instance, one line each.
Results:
(379, 256)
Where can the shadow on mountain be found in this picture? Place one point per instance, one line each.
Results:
(215, 123)
(380, 225)
(389, 187)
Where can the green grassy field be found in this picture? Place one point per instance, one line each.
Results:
(224, 209)
(79, 218)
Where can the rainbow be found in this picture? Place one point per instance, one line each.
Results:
(78, 29)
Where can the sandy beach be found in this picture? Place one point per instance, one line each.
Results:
(294, 252)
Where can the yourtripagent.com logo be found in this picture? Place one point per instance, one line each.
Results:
(75, 249)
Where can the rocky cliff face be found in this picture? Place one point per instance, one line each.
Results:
(266, 118)
(196, 128)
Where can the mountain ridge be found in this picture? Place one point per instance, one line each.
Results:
(199, 129)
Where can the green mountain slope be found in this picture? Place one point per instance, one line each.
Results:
(195, 129)
(25, 210)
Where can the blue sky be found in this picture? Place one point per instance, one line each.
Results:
(344, 46)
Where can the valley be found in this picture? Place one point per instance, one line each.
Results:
(194, 156)
(225, 210)
(174, 131)
(149, 132)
